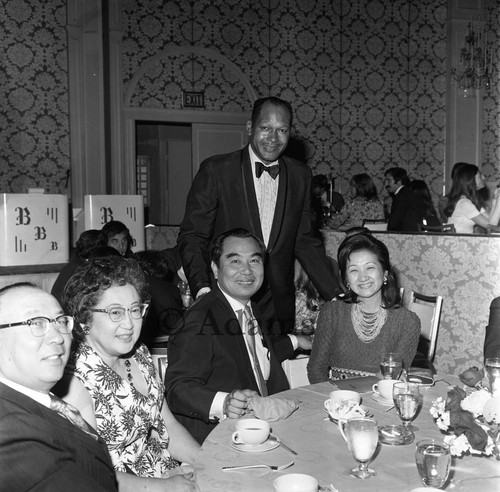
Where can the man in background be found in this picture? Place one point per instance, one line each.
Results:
(269, 194)
(406, 210)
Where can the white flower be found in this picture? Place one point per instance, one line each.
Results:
(474, 402)
(443, 422)
(458, 444)
(438, 407)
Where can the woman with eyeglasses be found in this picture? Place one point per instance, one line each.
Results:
(112, 380)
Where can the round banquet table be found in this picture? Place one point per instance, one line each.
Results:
(323, 453)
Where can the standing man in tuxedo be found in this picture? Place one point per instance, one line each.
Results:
(259, 189)
(219, 356)
(44, 444)
(407, 210)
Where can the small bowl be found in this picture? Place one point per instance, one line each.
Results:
(391, 435)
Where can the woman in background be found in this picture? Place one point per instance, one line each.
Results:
(365, 205)
(464, 207)
(112, 380)
(421, 189)
(354, 333)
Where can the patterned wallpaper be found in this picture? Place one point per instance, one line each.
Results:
(34, 123)
(354, 71)
(491, 104)
(366, 79)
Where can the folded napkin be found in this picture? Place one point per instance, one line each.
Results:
(271, 409)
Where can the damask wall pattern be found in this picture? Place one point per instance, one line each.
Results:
(344, 65)
(491, 104)
(34, 120)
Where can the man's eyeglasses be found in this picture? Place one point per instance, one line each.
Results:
(118, 313)
(39, 326)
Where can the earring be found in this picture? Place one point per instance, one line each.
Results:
(85, 329)
(385, 280)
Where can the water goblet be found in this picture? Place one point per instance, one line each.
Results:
(391, 365)
(361, 436)
(406, 398)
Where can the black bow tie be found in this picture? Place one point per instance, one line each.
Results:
(272, 170)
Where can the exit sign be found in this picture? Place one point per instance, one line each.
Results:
(193, 99)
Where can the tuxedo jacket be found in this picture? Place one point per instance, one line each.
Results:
(42, 451)
(406, 211)
(222, 197)
(208, 354)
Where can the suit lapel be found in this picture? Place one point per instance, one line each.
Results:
(279, 210)
(249, 193)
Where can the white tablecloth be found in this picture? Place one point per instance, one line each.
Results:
(323, 453)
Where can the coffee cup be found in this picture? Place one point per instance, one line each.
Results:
(383, 388)
(339, 396)
(251, 432)
(296, 482)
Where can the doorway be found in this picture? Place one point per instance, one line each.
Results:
(168, 155)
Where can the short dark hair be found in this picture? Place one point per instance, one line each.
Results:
(218, 243)
(275, 101)
(87, 285)
(89, 240)
(361, 242)
(114, 227)
(398, 174)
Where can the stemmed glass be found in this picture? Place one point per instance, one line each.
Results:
(406, 398)
(391, 365)
(361, 436)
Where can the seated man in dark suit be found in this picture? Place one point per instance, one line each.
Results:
(407, 210)
(40, 449)
(218, 357)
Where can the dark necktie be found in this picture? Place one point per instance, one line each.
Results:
(70, 413)
(251, 331)
(272, 170)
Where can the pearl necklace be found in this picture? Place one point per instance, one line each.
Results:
(130, 378)
(367, 325)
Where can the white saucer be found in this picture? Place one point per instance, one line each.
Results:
(255, 448)
(381, 400)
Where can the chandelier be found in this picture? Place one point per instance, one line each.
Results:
(476, 60)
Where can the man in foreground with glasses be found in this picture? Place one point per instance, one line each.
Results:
(44, 445)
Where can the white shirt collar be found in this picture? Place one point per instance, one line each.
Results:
(397, 191)
(235, 304)
(42, 398)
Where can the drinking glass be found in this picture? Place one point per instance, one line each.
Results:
(391, 365)
(361, 435)
(433, 462)
(406, 398)
(492, 367)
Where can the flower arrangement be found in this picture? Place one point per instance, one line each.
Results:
(472, 414)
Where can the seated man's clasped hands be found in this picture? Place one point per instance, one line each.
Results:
(44, 444)
(354, 333)
(113, 381)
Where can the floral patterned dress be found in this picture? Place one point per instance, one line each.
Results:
(128, 421)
